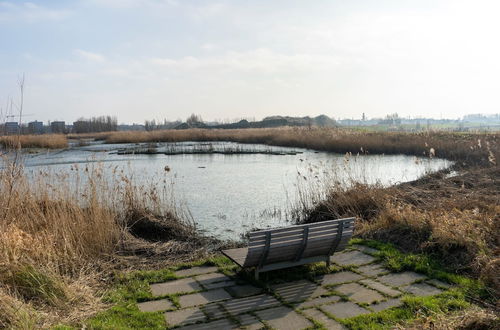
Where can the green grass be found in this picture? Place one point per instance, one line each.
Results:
(456, 298)
(397, 261)
(132, 287)
(37, 285)
(412, 308)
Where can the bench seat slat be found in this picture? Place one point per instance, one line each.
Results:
(311, 226)
(296, 235)
(291, 231)
(280, 242)
(238, 256)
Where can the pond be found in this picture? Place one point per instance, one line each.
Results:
(240, 186)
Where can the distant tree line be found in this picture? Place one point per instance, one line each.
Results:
(95, 124)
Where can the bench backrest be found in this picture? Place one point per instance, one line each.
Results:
(297, 242)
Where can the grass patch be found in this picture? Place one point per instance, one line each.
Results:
(133, 287)
(126, 317)
(412, 309)
(35, 285)
(397, 261)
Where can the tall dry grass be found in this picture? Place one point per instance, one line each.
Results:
(58, 231)
(49, 141)
(471, 148)
(453, 218)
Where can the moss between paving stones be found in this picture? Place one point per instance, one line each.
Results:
(133, 287)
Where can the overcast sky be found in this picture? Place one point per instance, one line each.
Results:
(145, 59)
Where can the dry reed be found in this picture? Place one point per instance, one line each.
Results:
(453, 218)
(470, 148)
(56, 229)
(49, 141)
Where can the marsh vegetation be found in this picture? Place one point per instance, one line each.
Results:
(61, 238)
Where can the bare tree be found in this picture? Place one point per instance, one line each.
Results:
(194, 120)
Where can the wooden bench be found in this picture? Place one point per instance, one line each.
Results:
(293, 246)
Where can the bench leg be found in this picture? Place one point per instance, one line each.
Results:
(328, 263)
(256, 274)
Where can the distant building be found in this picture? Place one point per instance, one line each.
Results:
(35, 127)
(58, 127)
(12, 127)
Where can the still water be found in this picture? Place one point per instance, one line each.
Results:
(229, 194)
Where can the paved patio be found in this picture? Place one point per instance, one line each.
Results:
(207, 299)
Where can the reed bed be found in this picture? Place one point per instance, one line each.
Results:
(470, 148)
(454, 218)
(49, 141)
(62, 233)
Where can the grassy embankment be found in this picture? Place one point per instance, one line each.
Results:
(57, 238)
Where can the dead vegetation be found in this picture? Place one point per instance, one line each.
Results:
(453, 218)
(473, 318)
(48, 141)
(469, 148)
(59, 240)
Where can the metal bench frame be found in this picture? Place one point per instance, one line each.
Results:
(293, 246)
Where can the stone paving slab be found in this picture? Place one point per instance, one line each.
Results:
(284, 318)
(354, 257)
(184, 316)
(337, 278)
(298, 290)
(246, 290)
(176, 286)
(400, 279)
(323, 319)
(224, 324)
(155, 305)
(249, 322)
(344, 309)
(372, 270)
(359, 293)
(211, 278)
(218, 285)
(247, 304)
(317, 302)
(202, 298)
(439, 284)
(365, 248)
(195, 271)
(422, 289)
(213, 311)
(381, 288)
(386, 305)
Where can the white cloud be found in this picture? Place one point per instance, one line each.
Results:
(208, 46)
(259, 60)
(29, 12)
(123, 4)
(90, 56)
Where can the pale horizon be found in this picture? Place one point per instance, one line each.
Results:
(156, 59)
